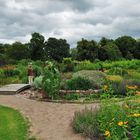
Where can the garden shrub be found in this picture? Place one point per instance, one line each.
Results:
(11, 72)
(86, 122)
(96, 77)
(23, 74)
(79, 83)
(116, 85)
(51, 81)
(68, 65)
(37, 71)
(38, 82)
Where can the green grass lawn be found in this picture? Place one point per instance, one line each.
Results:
(12, 125)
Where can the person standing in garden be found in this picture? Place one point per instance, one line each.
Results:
(30, 74)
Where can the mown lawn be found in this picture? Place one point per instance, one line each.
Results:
(12, 125)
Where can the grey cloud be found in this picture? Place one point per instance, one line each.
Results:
(70, 19)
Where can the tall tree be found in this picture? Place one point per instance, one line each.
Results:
(137, 50)
(110, 51)
(36, 45)
(87, 50)
(126, 44)
(17, 51)
(57, 49)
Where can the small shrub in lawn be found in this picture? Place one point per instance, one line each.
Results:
(79, 83)
(86, 122)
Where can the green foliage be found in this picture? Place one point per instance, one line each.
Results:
(86, 65)
(72, 96)
(56, 49)
(112, 121)
(109, 52)
(17, 51)
(116, 85)
(37, 70)
(119, 121)
(118, 71)
(51, 80)
(23, 73)
(126, 45)
(79, 83)
(96, 77)
(36, 45)
(86, 122)
(68, 65)
(38, 82)
(13, 125)
(87, 50)
(11, 72)
(9, 80)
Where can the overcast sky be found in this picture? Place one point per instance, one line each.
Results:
(69, 19)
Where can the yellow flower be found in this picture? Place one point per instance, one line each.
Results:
(107, 133)
(136, 115)
(105, 87)
(137, 92)
(126, 106)
(132, 87)
(120, 123)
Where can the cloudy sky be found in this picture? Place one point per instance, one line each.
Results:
(69, 19)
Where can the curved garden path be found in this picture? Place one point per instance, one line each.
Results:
(50, 121)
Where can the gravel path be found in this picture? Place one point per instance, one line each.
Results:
(50, 121)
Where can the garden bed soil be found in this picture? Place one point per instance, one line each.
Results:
(40, 95)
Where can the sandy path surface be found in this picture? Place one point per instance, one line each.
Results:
(50, 121)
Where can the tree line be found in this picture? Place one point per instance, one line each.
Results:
(56, 49)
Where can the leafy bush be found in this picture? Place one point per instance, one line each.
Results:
(37, 70)
(38, 82)
(23, 74)
(79, 83)
(51, 80)
(68, 65)
(11, 72)
(96, 77)
(116, 85)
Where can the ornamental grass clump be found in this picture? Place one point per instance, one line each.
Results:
(86, 122)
